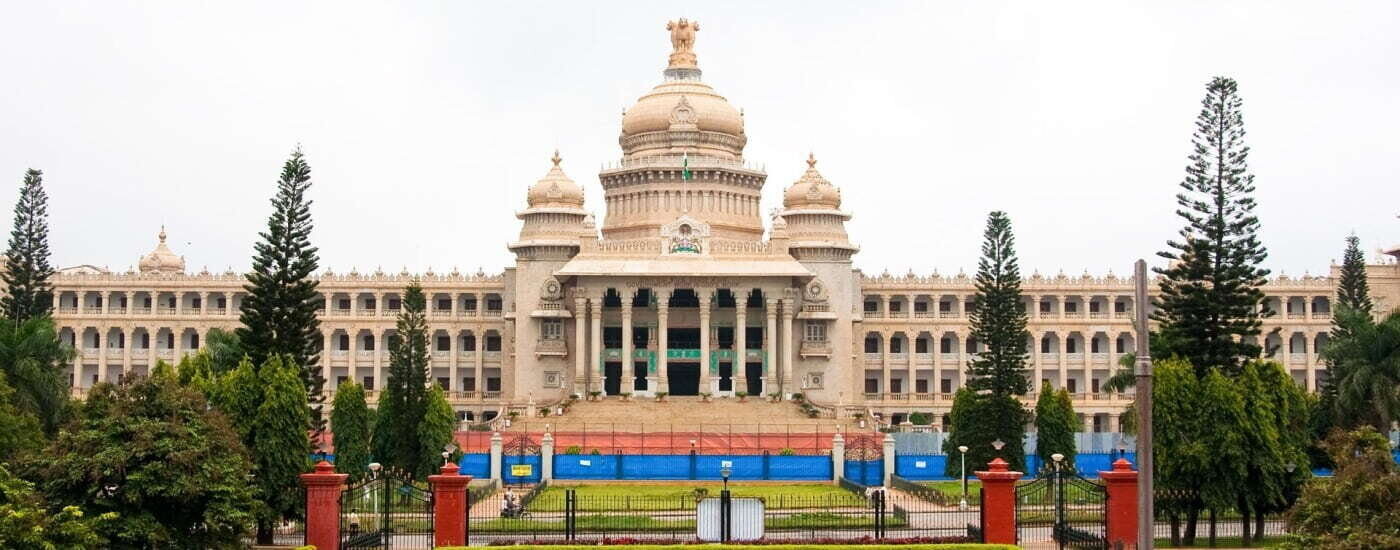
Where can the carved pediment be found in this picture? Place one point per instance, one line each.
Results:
(686, 235)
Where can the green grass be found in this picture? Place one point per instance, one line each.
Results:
(604, 498)
(600, 522)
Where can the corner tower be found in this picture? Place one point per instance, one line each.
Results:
(682, 154)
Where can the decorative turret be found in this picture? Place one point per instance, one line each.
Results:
(814, 220)
(162, 259)
(555, 219)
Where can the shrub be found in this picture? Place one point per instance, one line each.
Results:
(920, 419)
(787, 451)
(573, 450)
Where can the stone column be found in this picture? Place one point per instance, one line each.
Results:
(789, 346)
(662, 310)
(1310, 361)
(547, 457)
(770, 351)
(454, 344)
(1036, 366)
(627, 362)
(959, 346)
(203, 304)
(581, 345)
(1063, 357)
(480, 374)
(496, 451)
(838, 458)
(1122, 518)
(323, 506)
(378, 356)
(595, 353)
(449, 506)
(889, 459)
(999, 503)
(102, 356)
(741, 354)
(705, 363)
(885, 340)
(326, 355)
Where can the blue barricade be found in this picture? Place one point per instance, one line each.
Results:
(866, 472)
(922, 467)
(507, 474)
(477, 465)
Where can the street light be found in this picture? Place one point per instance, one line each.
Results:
(962, 504)
(447, 452)
(374, 468)
(724, 472)
(1290, 467)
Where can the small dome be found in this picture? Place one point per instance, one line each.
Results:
(812, 190)
(162, 259)
(555, 189)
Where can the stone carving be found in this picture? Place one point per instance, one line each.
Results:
(551, 290)
(816, 291)
(682, 43)
(686, 235)
(683, 117)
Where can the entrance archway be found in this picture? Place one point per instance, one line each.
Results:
(684, 378)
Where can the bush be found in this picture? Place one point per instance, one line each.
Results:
(573, 450)
(787, 451)
(1360, 507)
(920, 419)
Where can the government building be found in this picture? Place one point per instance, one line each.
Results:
(678, 288)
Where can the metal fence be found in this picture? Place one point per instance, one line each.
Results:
(284, 533)
(1183, 519)
(582, 437)
(564, 515)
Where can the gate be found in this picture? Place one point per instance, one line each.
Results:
(386, 511)
(865, 460)
(520, 461)
(1064, 508)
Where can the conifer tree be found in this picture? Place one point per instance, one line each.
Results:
(279, 313)
(1352, 289)
(280, 452)
(1055, 425)
(350, 423)
(403, 403)
(435, 432)
(27, 269)
(1211, 290)
(998, 316)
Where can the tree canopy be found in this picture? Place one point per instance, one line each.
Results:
(404, 401)
(998, 315)
(28, 294)
(1055, 425)
(32, 358)
(350, 422)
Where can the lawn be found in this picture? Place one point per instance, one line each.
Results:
(953, 489)
(1224, 542)
(606, 523)
(617, 497)
(772, 547)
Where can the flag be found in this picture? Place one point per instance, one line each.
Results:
(685, 166)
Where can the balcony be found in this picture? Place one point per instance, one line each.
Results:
(470, 312)
(1073, 315)
(1097, 315)
(165, 353)
(68, 310)
(140, 353)
(815, 348)
(341, 312)
(339, 354)
(947, 358)
(141, 311)
(923, 314)
(365, 354)
(1322, 315)
(1122, 314)
(947, 315)
(1297, 315)
(493, 313)
(116, 310)
(92, 310)
(493, 356)
(1297, 358)
(441, 314)
(467, 354)
(1076, 358)
(90, 353)
(923, 358)
(1100, 357)
(1049, 358)
(874, 358)
(389, 313)
(902, 358)
(365, 313)
(873, 397)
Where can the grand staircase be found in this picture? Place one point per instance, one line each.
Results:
(684, 414)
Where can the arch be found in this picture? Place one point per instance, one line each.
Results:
(948, 343)
(440, 342)
(874, 342)
(1273, 344)
(1320, 342)
(466, 341)
(899, 343)
(493, 340)
(116, 339)
(924, 343)
(1050, 343)
(1322, 306)
(1126, 342)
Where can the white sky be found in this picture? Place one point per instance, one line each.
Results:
(424, 123)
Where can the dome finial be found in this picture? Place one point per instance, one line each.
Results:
(161, 235)
(811, 159)
(555, 159)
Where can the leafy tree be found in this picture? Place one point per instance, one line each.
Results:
(25, 523)
(19, 431)
(1198, 446)
(32, 358)
(279, 313)
(998, 315)
(1211, 290)
(279, 447)
(1055, 425)
(350, 422)
(237, 394)
(28, 293)
(1352, 289)
(1365, 361)
(980, 419)
(225, 350)
(403, 403)
(435, 432)
(1359, 508)
(153, 453)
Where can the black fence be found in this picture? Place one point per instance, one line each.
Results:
(564, 515)
(1184, 520)
(284, 533)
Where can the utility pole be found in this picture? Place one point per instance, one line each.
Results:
(1144, 411)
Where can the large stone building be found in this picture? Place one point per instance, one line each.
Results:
(681, 290)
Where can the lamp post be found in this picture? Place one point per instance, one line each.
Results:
(724, 475)
(447, 452)
(1059, 493)
(962, 449)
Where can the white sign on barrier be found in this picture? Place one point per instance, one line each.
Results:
(726, 464)
(920, 464)
(745, 515)
(585, 463)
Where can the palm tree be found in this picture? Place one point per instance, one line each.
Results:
(32, 357)
(1366, 369)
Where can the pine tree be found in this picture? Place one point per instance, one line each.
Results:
(280, 452)
(350, 423)
(1211, 291)
(1352, 290)
(28, 293)
(998, 316)
(279, 313)
(978, 420)
(1055, 424)
(403, 403)
(435, 432)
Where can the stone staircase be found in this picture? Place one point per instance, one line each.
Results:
(684, 414)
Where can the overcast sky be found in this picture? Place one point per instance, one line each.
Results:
(424, 123)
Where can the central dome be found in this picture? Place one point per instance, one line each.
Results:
(653, 112)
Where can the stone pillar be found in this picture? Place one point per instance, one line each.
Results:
(741, 353)
(1063, 357)
(454, 345)
(1310, 360)
(889, 459)
(959, 346)
(886, 339)
(770, 351)
(449, 506)
(1122, 485)
(581, 345)
(102, 356)
(838, 458)
(480, 370)
(627, 362)
(789, 347)
(378, 356)
(323, 506)
(999, 503)
(885, 306)
(326, 355)
(595, 352)
(547, 457)
(705, 363)
(662, 309)
(496, 449)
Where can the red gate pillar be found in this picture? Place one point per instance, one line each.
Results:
(323, 506)
(449, 507)
(1122, 484)
(998, 503)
